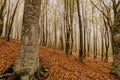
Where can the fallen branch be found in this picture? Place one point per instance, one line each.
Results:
(55, 54)
(83, 74)
(65, 68)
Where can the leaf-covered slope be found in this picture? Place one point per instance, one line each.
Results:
(61, 67)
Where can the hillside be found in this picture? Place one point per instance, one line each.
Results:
(61, 67)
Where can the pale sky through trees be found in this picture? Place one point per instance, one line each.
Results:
(56, 7)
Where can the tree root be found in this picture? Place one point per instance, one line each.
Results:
(40, 74)
(115, 75)
(6, 75)
(9, 72)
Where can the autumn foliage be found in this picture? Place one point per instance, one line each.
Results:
(61, 66)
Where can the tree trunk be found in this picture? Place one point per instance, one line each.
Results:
(28, 61)
(71, 8)
(43, 25)
(80, 31)
(46, 23)
(67, 25)
(10, 22)
(96, 45)
(55, 30)
(84, 24)
(102, 48)
(62, 38)
(2, 17)
(116, 31)
(88, 42)
(94, 41)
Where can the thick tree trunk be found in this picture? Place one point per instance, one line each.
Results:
(116, 31)
(28, 61)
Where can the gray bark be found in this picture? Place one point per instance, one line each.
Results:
(116, 32)
(80, 31)
(2, 16)
(28, 60)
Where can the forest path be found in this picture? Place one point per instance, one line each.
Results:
(61, 67)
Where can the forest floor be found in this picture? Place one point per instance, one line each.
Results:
(61, 67)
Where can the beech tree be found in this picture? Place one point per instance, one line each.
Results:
(69, 13)
(80, 32)
(84, 21)
(116, 32)
(10, 20)
(28, 60)
(2, 6)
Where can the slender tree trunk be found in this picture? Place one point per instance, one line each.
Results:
(88, 43)
(96, 44)
(102, 42)
(2, 17)
(43, 25)
(106, 42)
(75, 40)
(68, 29)
(46, 24)
(62, 38)
(10, 24)
(55, 31)
(94, 53)
(102, 48)
(84, 25)
(80, 31)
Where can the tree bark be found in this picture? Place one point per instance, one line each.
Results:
(68, 27)
(88, 42)
(106, 40)
(2, 16)
(10, 22)
(28, 60)
(116, 36)
(80, 31)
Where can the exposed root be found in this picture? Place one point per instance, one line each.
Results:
(9, 72)
(6, 75)
(40, 74)
(116, 75)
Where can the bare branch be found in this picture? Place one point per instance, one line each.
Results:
(99, 9)
(118, 3)
(107, 8)
(108, 21)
